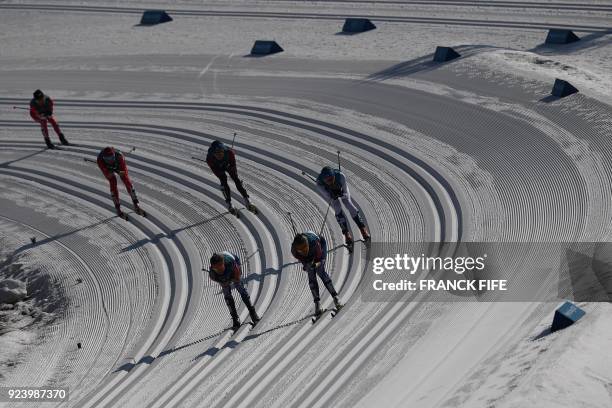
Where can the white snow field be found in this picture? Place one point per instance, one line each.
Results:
(470, 150)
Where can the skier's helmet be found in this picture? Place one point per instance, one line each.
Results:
(327, 174)
(38, 94)
(218, 149)
(217, 262)
(108, 155)
(300, 244)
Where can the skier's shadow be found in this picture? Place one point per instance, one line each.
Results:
(31, 245)
(8, 163)
(171, 234)
(212, 351)
(233, 343)
(282, 326)
(149, 359)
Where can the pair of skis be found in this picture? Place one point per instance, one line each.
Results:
(334, 312)
(137, 210)
(350, 246)
(61, 146)
(234, 329)
(236, 211)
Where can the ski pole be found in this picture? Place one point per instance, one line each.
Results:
(250, 256)
(339, 168)
(292, 223)
(198, 159)
(19, 107)
(131, 151)
(233, 140)
(325, 218)
(309, 176)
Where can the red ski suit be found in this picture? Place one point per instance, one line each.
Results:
(43, 114)
(109, 172)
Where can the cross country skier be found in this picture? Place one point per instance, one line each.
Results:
(332, 185)
(225, 269)
(112, 161)
(41, 110)
(311, 250)
(222, 159)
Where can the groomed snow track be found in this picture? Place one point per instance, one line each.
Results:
(341, 17)
(490, 162)
(279, 290)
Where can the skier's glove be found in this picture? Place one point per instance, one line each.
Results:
(312, 266)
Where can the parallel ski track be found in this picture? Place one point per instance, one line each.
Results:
(79, 268)
(182, 384)
(135, 163)
(113, 387)
(472, 3)
(451, 219)
(312, 16)
(171, 253)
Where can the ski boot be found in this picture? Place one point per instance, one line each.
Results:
(120, 213)
(232, 210)
(337, 304)
(318, 312)
(348, 241)
(365, 234)
(139, 210)
(251, 207)
(63, 139)
(50, 144)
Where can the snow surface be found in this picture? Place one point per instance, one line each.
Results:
(523, 167)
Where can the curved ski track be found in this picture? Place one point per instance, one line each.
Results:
(181, 284)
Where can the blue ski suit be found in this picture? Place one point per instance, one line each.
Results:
(314, 264)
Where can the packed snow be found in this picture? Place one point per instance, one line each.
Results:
(473, 149)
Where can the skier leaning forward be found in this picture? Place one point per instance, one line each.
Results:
(332, 185)
(222, 159)
(111, 161)
(311, 250)
(225, 269)
(41, 111)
